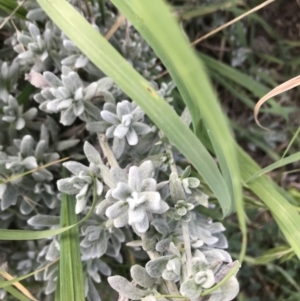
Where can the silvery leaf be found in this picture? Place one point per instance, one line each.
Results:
(161, 226)
(68, 117)
(26, 146)
(199, 264)
(123, 108)
(81, 202)
(149, 184)
(24, 39)
(120, 131)
(118, 147)
(141, 277)
(216, 227)
(125, 288)
(141, 128)
(64, 185)
(116, 210)
(135, 178)
(92, 154)
(170, 276)
(66, 144)
(91, 110)
(52, 79)
(9, 197)
(81, 61)
(34, 31)
(122, 220)
(44, 220)
(30, 162)
(227, 292)
(138, 114)
(122, 191)
(69, 45)
(176, 189)
(110, 117)
(52, 252)
(132, 137)
(97, 126)
(75, 167)
(163, 245)
(190, 289)
(71, 81)
(214, 255)
(143, 225)
(118, 175)
(69, 60)
(99, 187)
(90, 91)
(156, 267)
(105, 84)
(78, 108)
(20, 124)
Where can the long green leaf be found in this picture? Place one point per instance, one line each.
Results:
(71, 284)
(17, 294)
(104, 56)
(283, 212)
(156, 24)
(9, 5)
(282, 162)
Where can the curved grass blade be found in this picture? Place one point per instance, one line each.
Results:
(71, 284)
(282, 211)
(190, 76)
(34, 235)
(287, 160)
(104, 56)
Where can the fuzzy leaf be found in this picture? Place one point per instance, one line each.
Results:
(141, 277)
(75, 167)
(92, 154)
(125, 288)
(176, 189)
(156, 267)
(190, 289)
(44, 220)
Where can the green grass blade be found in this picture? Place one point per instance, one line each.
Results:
(282, 211)
(291, 142)
(9, 5)
(17, 294)
(287, 160)
(104, 56)
(71, 284)
(33, 235)
(245, 81)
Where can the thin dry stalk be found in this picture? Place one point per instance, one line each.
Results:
(233, 21)
(115, 27)
(12, 14)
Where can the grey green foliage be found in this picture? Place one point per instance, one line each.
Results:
(141, 205)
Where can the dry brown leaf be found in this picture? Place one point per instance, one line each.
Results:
(288, 85)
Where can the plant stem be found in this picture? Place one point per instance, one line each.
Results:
(107, 151)
(184, 225)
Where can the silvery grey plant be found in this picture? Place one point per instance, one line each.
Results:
(146, 204)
